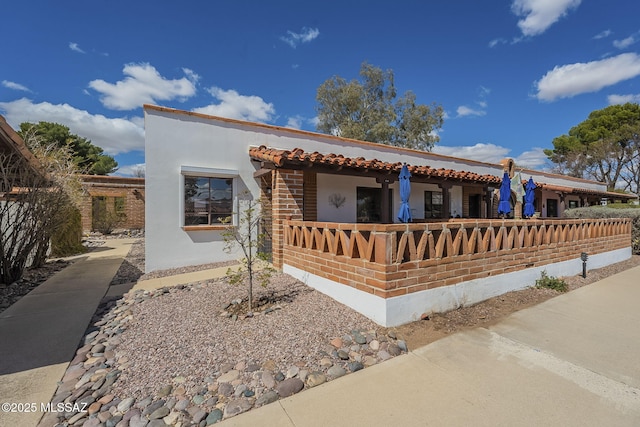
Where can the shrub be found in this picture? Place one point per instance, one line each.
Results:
(106, 221)
(550, 282)
(67, 239)
(607, 212)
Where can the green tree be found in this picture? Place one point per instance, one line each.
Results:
(89, 158)
(604, 147)
(367, 110)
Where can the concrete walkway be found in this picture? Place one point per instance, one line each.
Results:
(571, 361)
(40, 333)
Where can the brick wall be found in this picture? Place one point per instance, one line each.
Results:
(286, 203)
(110, 187)
(377, 266)
(310, 197)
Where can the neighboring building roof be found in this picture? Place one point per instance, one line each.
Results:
(112, 180)
(582, 191)
(11, 142)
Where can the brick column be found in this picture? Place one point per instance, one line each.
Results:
(287, 203)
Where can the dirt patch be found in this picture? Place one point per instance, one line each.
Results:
(488, 312)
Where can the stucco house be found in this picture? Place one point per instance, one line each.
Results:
(332, 217)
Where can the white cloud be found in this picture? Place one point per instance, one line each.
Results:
(602, 35)
(532, 159)
(15, 86)
(491, 153)
(298, 122)
(570, 80)
(115, 136)
(482, 93)
(625, 43)
(304, 36)
(623, 99)
(144, 85)
(538, 15)
(464, 111)
(74, 47)
(235, 106)
(131, 170)
(295, 122)
(496, 42)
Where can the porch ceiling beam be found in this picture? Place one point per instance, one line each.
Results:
(262, 172)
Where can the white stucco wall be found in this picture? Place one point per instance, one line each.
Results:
(347, 187)
(177, 140)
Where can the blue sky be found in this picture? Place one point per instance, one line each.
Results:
(511, 75)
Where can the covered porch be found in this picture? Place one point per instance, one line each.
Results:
(395, 272)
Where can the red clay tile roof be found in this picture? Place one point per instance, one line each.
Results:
(298, 157)
(585, 191)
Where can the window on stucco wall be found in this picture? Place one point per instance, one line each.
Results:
(207, 200)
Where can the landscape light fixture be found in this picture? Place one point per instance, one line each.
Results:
(584, 257)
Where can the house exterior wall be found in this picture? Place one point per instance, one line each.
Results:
(177, 142)
(131, 189)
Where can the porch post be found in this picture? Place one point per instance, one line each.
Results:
(446, 199)
(287, 203)
(384, 201)
(487, 202)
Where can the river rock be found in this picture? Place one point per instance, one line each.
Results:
(214, 416)
(289, 387)
(236, 406)
(269, 397)
(315, 379)
(230, 376)
(336, 371)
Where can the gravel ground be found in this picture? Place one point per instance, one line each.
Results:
(193, 354)
(186, 354)
(158, 346)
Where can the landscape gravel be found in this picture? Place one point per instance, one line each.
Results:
(193, 355)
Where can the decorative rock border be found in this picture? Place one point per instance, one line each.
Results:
(86, 388)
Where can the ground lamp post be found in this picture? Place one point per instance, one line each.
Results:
(584, 257)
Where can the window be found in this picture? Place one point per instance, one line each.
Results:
(433, 204)
(573, 204)
(369, 204)
(207, 200)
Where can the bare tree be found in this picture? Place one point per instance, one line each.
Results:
(246, 235)
(33, 203)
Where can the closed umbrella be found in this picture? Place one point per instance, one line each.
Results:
(404, 214)
(504, 207)
(529, 209)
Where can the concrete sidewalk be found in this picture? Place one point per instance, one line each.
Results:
(571, 361)
(40, 333)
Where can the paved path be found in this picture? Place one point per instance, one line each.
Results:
(40, 333)
(571, 361)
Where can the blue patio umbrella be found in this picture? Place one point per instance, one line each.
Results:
(404, 214)
(504, 207)
(529, 209)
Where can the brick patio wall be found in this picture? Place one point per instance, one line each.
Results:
(400, 259)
